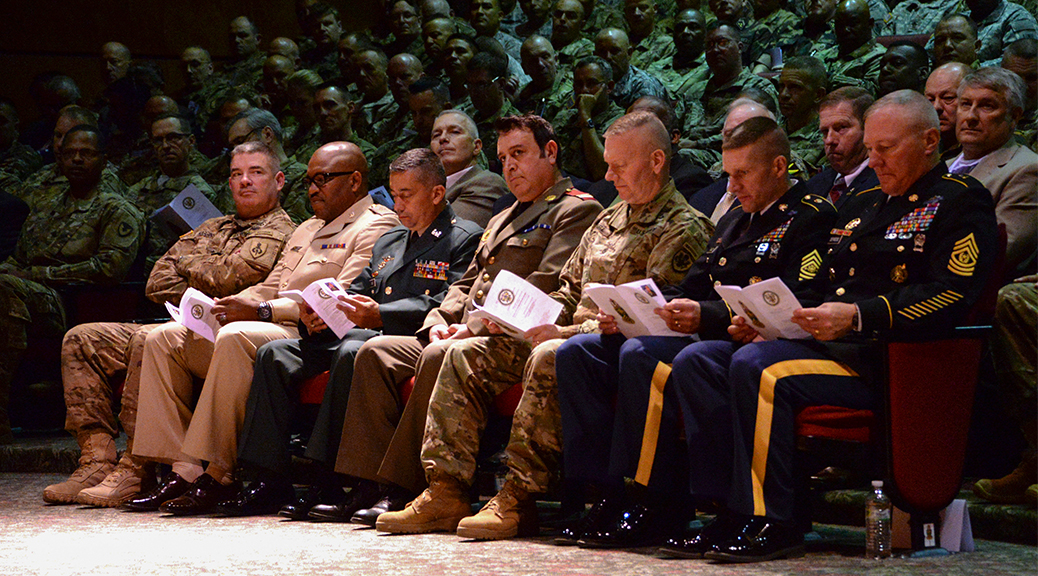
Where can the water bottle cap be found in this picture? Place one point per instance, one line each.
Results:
(877, 483)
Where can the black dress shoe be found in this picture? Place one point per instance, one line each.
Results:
(259, 499)
(299, 509)
(393, 499)
(364, 495)
(602, 514)
(694, 547)
(172, 486)
(760, 540)
(202, 498)
(637, 526)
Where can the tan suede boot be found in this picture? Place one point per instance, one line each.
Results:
(1011, 489)
(129, 478)
(438, 509)
(512, 512)
(97, 459)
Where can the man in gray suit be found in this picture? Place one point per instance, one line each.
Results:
(471, 190)
(991, 103)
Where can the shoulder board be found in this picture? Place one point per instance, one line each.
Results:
(578, 194)
(963, 179)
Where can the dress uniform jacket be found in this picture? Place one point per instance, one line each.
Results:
(822, 183)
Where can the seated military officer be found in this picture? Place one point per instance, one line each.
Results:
(410, 270)
(780, 231)
(910, 264)
(841, 121)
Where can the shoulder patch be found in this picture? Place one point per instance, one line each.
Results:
(683, 259)
(578, 194)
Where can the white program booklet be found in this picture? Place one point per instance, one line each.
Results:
(516, 305)
(767, 306)
(187, 210)
(633, 305)
(195, 312)
(323, 297)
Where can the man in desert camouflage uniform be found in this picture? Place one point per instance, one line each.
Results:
(75, 232)
(652, 232)
(219, 258)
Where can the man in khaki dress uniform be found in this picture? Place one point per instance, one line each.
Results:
(382, 436)
(221, 257)
(337, 243)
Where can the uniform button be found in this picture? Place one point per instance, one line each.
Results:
(479, 294)
(486, 277)
(850, 272)
(389, 290)
(840, 291)
(901, 248)
(722, 261)
(525, 241)
(426, 292)
(756, 260)
(854, 247)
(717, 282)
(490, 260)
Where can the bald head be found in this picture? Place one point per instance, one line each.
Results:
(116, 60)
(286, 47)
(741, 110)
(335, 195)
(613, 46)
(942, 91)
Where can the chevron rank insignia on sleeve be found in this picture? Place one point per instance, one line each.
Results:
(964, 256)
(809, 265)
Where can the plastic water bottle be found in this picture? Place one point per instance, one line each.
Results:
(877, 523)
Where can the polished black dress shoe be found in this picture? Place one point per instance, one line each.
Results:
(259, 499)
(694, 547)
(365, 495)
(759, 540)
(299, 509)
(637, 526)
(172, 486)
(602, 514)
(202, 498)
(393, 499)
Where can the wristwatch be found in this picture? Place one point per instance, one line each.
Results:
(590, 123)
(264, 312)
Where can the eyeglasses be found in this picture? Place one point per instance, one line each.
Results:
(245, 138)
(174, 138)
(319, 180)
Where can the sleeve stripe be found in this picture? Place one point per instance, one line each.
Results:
(890, 312)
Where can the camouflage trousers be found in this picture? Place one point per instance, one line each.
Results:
(476, 370)
(1014, 348)
(93, 358)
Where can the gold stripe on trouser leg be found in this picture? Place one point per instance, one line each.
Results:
(652, 424)
(766, 407)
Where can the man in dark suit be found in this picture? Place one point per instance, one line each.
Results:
(471, 190)
(410, 270)
(841, 119)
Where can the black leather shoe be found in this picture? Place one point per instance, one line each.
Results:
(602, 514)
(760, 540)
(202, 498)
(365, 495)
(259, 499)
(299, 509)
(694, 547)
(393, 499)
(172, 486)
(637, 526)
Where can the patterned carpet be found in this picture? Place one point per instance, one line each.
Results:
(72, 540)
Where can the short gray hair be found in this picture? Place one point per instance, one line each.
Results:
(998, 79)
(425, 162)
(258, 119)
(919, 109)
(255, 147)
(466, 121)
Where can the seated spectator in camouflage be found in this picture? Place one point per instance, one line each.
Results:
(375, 100)
(955, 40)
(303, 132)
(335, 110)
(1022, 57)
(435, 33)
(214, 142)
(567, 26)
(17, 160)
(854, 61)
(120, 118)
(485, 18)
(685, 72)
(141, 161)
(738, 13)
(348, 47)
(538, 18)
(432, 9)
(904, 66)
(427, 97)
(203, 90)
(276, 70)
(51, 93)
(941, 90)
(816, 34)
(460, 49)
(471, 190)
(841, 121)
(581, 127)
(324, 28)
(76, 232)
(600, 15)
(406, 28)
(775, 31)
(487, 76)
(221, 257)
(286, 47)
(991, 102)
(629, 81)
(402, 71)
(648, 42)
(247, 67)
(546, 93)
(910, 17)
(999, 24)
(256, 125)
(173, 143)
(801, 88)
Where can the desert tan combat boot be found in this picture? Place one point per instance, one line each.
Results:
(129, 478)
(512, 512)
(1011, 489)
(96, 460)
(439, 509)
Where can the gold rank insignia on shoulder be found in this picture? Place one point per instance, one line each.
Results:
(486, 234)
(899, 274)
(964, 256)
(550, 198)
(853, 224)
